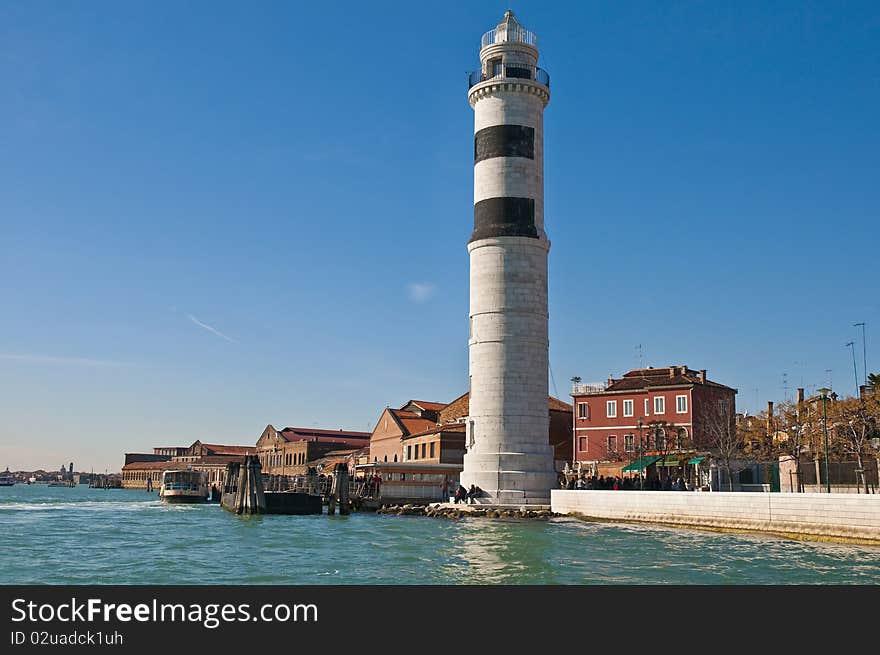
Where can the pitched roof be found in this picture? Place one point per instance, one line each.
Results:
(552, 403)
(558, 405)
(642, 378)
(217, 460)
(448, 427)
(220, 449)
(410, 422)
(426, 404)
(348, 437)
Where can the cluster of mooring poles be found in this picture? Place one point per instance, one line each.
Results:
(243, 487)
(339, 491)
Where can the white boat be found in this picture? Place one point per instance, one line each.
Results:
(185, 486)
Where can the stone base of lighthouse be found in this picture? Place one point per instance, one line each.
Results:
(508, 453)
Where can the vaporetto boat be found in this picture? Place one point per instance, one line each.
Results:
(184, 486)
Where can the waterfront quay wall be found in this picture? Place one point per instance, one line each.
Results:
(828, 517)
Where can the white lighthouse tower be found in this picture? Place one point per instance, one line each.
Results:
(508, 453)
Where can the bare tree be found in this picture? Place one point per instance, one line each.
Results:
(791, 434)
(855, 423)
(724, 440)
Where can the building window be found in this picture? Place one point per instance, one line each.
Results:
(647, 407)
(583, 411)
(612, 444)
(682, 437)
(681, 404)
(629, 443)
(582, 444)
(628, 408)
(432, 450)
(659, 405)
(611, 408)
(409, 453)
(423, 450)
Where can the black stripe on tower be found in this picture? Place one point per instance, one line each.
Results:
(504, 217)
(504, 141)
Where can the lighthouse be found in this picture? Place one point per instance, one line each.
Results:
(508, 454)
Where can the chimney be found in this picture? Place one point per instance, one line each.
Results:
(672, 371)
(800, 396)
(769, 416)
(703, 375)
(610, 381)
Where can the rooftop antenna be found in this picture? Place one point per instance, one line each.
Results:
(553, 380)
(785, 385)
(828, 371)
(640, 356)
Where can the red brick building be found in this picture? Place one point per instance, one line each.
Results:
(434, 433)
(289, 451)
(662, 409)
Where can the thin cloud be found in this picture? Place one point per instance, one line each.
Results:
(61, 361)
(420, 291)
(210, 329)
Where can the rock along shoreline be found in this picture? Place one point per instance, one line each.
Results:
(445, 511)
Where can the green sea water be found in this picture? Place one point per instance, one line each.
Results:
(92, 536)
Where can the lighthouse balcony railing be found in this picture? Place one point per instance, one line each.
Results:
(517, 71)
(510, 35)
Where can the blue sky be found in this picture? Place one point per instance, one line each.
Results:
(217, 215)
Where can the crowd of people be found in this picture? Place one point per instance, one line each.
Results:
(624, 483)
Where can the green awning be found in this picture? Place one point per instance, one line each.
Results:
(640, 464)
(695, 460)
(669, 460)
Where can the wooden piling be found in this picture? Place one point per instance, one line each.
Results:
(340, 477)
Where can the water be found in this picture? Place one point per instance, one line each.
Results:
(120, 536)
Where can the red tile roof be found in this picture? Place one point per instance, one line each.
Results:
(220, 449)
(207, 460)
(154, 466)
(642, 378)
(347, 437)
(552, 403)
(426, 404)
(410, 422)
(449, 427)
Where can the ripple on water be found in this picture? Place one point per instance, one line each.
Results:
(83, 536)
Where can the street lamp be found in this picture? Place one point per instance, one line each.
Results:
(824, 393)
(641, 450)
